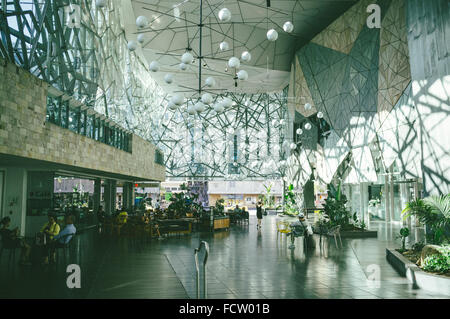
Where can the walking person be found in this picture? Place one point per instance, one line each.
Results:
(259, 214)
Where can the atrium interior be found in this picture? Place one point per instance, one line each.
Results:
(225, 149)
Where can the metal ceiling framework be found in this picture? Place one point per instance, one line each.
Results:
(89, 60)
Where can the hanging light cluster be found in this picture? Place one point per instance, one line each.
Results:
(272, 34)
(224, 15)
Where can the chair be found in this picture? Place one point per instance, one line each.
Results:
(336, 232)
(12, 252)
(246, 217)
(298, 231)
(283, 227)
(64, 246)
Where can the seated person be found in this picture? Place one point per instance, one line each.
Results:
(301, 227)
(51, 228)
(237, 209)
(10, 240)
(63, 238)
(122, 218)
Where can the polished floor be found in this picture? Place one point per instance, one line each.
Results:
(243, 263)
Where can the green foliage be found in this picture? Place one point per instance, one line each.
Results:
(183, 203)
(335, 208)
(358, 223)
(404, 232)
(417, 247)
(438, 263)
(323, 222)
(268, 200)
(439, 207)
(219, 207)
(433, 211)
(290, 203)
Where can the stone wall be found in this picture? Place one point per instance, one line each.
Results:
(429, 45)
(359, 78)
(25, 133)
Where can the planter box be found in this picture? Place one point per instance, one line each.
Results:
(357, 234)
(416, 276)
(272, 211)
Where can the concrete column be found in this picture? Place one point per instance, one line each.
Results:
(403, 200)
(109, 196)
(391, 193)
(361, 201)
(125, 194)
(113, 195)
(350, 197)
(365, 193)
(387, 205)
(15, 197)
(128, 195)
(408, 199)
(416, 196)
(97, 194)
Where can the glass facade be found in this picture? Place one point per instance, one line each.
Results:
(79, 121)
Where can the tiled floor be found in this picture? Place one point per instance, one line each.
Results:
(243, 263)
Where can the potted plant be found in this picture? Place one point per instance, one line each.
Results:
(404, 233)
(335, 208)
(434, 213)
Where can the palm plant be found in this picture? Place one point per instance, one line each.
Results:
(433, 211)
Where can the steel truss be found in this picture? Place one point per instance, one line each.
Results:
(91, 63)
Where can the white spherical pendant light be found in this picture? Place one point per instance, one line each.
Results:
(224, 15)
(210, 82)
(293, 146)
(207, 98)
(141, 38)
(320, 115)
(299, 131)
(178, 99)
(191, 110)
(132, 46)
(272, 35)
(308, 126)
(242, 75)
(224, 46)
(154, 66)
(100, 3)
(246, 56)
(168, 78)
(199, 107)
(187, 58)
(182, 66)
(234, 62)
(218, 107)
(227, 102)
(288, 27)
(141, 22)
(308, 106)
(172, 106)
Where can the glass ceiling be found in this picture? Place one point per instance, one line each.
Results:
(81, 49)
